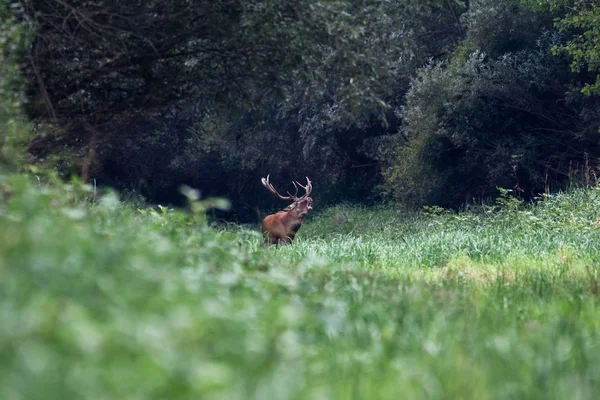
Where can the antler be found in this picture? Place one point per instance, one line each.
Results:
(293, 197)
(271, 189)
(307, 188)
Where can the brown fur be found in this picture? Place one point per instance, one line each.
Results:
(281, 227)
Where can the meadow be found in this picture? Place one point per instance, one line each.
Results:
(103, 299)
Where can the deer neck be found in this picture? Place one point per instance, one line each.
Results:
(292, 215)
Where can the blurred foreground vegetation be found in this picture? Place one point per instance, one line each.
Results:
(103, 299)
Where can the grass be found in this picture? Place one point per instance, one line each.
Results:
(102, 300)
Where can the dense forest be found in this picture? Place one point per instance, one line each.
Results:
(421, 101)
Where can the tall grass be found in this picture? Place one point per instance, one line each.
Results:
(102, 300)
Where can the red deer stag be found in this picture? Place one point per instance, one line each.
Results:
(282, 227)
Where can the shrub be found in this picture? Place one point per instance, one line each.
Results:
(479, 122)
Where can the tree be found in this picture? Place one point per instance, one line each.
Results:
(512, 120)
(13, 132)
(164, 95)
(581, 20)
(97, 61)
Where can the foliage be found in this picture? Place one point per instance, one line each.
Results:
(499, 27)
(479, 121)
(13, 131)
(240, 89)
(130, 57)
(508, 201)
(581, 19)
(429, 102)
(101, 300)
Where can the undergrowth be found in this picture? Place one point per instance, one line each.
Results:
(102, 299)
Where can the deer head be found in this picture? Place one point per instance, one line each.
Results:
(301, 205)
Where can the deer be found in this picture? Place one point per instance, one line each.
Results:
(281, 227)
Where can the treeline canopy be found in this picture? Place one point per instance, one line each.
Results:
(425, 101)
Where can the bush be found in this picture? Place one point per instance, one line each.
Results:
(479, 122)
(580, 20)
